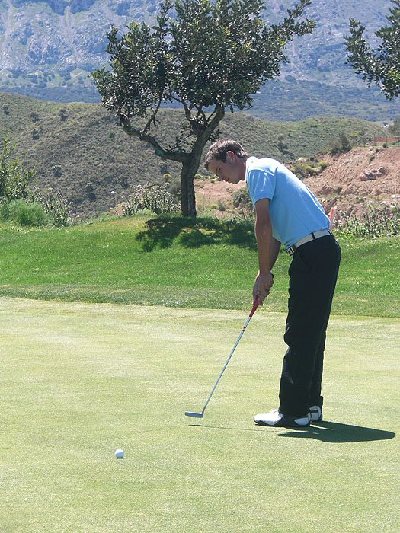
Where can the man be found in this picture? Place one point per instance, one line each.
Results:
(288, 213)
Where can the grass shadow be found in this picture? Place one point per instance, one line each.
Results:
(337, 432)
(189, 232)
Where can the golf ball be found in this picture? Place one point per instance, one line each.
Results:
(119, 454)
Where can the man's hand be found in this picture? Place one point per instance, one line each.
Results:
(262, 286)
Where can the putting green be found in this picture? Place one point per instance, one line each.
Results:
(81, 380)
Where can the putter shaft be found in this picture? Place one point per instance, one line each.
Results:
(200, 415)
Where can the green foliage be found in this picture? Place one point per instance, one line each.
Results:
(14, 178)
(55, 206)
(381, 66)
(200, 54)
(375, 222)
(242, 202)
(19, 203)
(303, 167)
(24, 213)
(205, 56)
(155, 198)
(63, 114)
(340, 145)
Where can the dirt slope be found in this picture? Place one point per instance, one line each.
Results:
(361, 177)
(351, 182)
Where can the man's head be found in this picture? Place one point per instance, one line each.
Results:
(227, 160)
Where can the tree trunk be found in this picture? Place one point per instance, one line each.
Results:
(188, 172)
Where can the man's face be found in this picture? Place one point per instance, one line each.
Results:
(232, 170)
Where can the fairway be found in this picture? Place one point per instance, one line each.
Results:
(80, 380)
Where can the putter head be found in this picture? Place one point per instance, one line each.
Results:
(191, 414)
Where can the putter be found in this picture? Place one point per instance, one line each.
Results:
(193, 414)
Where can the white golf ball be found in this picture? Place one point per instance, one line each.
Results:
(119, 454)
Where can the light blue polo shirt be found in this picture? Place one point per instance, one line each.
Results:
(294, 211)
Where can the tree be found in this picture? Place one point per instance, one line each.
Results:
(382, 65)
(207, 56)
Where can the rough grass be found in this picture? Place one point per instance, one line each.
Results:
(80, 380)
(180, 263)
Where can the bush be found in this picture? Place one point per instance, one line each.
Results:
(24, 206)
(55, 206)
(303, 167)
(242, 202)
(14, 178)
(341, 145)
(375, 222)
(24, 213)
(156, 198)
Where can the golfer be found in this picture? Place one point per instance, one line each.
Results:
(288, 214)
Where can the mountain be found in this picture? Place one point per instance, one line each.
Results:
(80, 151)
(49, 47)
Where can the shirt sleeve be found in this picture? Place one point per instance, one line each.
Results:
(261, 184)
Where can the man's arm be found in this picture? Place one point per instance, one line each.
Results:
(268, 249)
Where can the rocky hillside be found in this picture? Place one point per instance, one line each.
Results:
(49, 47)
(352, 183)
(362, 178)
(79, 150)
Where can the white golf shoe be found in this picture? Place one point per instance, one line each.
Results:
(277, 419)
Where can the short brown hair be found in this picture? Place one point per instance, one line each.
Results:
(219, 149)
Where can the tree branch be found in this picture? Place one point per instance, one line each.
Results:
(152, 119)
(150, 139)
(213, 120)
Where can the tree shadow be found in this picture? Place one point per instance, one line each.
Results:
(337, 432)
(195, 232)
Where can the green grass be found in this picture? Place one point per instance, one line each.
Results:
(176, 263)
(80, 380)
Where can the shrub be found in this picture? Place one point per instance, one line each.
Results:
(57, 171)
(24, 213)
(303, 167)
(375, 222)
(14, 179)
(34, 116)
(55, 206)
(173, 185)
(156, 198)
(14, 182)
(341, 145)
(63, 114)
(242, 202)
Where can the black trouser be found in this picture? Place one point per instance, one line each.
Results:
(313, 274)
